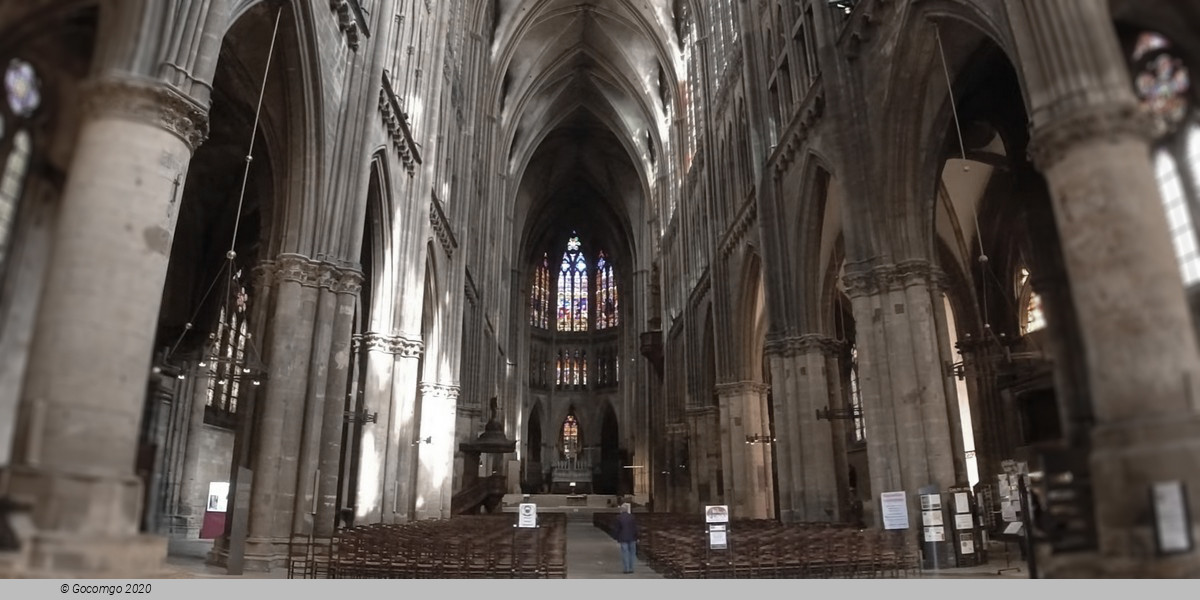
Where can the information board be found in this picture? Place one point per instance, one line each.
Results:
(894, 507)
(527, 515)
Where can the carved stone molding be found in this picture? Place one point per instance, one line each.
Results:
(398, 345)
(299, 269)
(1051, 142)
(471, 292)
(328, 275)
(886, 278)
(409, 348)
(441, 227)
(380, 342)
(747, 217)
(349, 20)
(798, 345)
(440, 391)
(147, 102)
(395, 121)
(743, 388)
(262, 276)
(349, 282)
(799, 129)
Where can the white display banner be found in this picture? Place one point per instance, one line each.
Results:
(894, 509)
(527, 515)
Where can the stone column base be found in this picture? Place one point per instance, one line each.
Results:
(262, 555)
(58, 555)
(1093, 565)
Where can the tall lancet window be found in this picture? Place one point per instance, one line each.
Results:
(226, 368)
(606, 294)
(23, 97)
(570, 437)
(573, 289)
(539, 295)
(1162, 83)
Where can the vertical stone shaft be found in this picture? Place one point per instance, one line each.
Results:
(346, 289)
(1090, 142)
(305, 505)
(77, 424)
(909, 435)
(377, 399)
(745, 453)
(277, 443)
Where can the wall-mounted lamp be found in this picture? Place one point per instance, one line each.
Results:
(427, 440)
(759, 439)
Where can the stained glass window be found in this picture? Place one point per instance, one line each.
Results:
(12, 180)
(1032, 317)
(570, 437)
(1163, 84)
(22, 99)
(573, 289)
(1161, 81)
(226, 367)
(607, 309)
(22, 88)
(539, 300)
(1179, 221)
(860, 424)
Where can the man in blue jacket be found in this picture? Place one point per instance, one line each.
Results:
(626, 534)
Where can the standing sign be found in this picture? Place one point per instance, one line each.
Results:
(1172, 522)
(716, 514)
(895, 510)
(527, 515)
(717, 518)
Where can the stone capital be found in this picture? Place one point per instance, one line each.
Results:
(391, 344)
(440, 391)
(300, 269)
(1050, 142)
(742, 388)
(349, 282)
(796, 345)
(406, 347)
(148, 102)
(262, 275)
(894, 277)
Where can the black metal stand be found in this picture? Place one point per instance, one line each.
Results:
(537, 552)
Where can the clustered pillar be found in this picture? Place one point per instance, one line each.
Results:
(901, 379)
(801, 386)
(746, 449)
(77, 422)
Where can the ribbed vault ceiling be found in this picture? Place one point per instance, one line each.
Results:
(580, 101)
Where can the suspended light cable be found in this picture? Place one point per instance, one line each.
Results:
(962, 147)
(231, 255)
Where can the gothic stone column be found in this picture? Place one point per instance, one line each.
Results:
(399, 474)
(378, 351)
(435, 453)
(277, 440)
(346, 290)
(304, 511)
(900, 375)
(1090, 142)
(746, 459)
(77, 424)
(804, 445)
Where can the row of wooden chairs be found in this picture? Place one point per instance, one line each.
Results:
(677, 546)
(462, 547)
